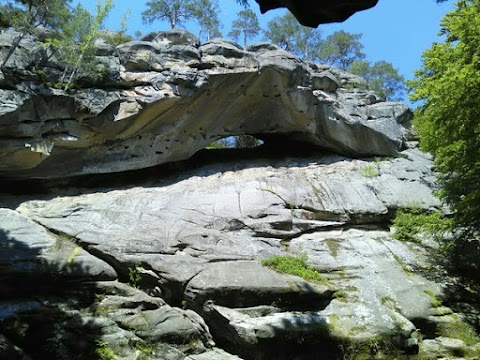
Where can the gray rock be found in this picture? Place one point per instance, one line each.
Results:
(160, 107)
(221, 47)
(10, 351)
(246, 284)
(29, 251)
(214, 354)
(324, 81)
(153, 320)
(172, 37)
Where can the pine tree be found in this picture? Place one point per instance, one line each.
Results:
(246, 25)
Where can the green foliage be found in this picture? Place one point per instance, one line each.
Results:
(246, 141)
(206, 13)
(75, 43)
(26, 15)
(369, 172)
(286, 32)
(339, 294)
(104, 352)
(436, 302)
(175, 11)
(218, 144)
(458, 329)
(293, 265)
(246, 24)
(448, 117)
(382, 78)
(412, 224)
(121, 36)
(341, 49)
(146, 350)
(134, 276)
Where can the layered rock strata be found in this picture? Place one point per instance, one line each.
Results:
(165, 98)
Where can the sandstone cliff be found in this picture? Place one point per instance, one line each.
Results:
(168, 262)
(165, 98)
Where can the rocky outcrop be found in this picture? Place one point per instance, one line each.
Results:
(312, 14)
(166, 97)
(178, 262)
(175, 262)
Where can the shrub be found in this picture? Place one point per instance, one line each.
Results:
(104, 352)
(412, 224)
(369, 172)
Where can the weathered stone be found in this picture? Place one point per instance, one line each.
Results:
(324, 81)
(29, 251)
(320, 12)
(172, 37)
(161, 106)
(246, 284)
(10, 351)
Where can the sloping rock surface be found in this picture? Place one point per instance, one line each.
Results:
(190, 246)
(166, 97)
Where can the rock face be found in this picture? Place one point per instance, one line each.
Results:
(165, 98)
(173, 265)
(173, 262)
(314, 13)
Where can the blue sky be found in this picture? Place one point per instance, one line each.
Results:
(395, 30)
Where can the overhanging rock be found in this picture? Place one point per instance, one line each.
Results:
(161, 101)
(313, 13)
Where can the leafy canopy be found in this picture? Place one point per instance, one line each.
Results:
(246, 24)
(175, 11)
(382, 78)
(206, 13)
(448, 119)
(341, 49)
(26, 15)
(286, 32)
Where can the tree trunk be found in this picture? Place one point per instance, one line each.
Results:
(15, 44)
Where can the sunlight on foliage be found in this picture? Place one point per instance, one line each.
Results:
(294, 266)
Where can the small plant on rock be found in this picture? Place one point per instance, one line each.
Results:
(458, 329)
(293, 265)
(104, 352)
(369, 172)
(134, 276)
(412, 224)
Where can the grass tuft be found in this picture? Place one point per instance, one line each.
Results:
(294, 266)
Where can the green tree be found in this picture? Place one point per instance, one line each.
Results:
(286, 32)
(76, 42)
(448, 118)
(174, 11)
(246, 25)
(119, 37)
(341, 49)
(382, 78)
(206, 13)
(25, 16)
